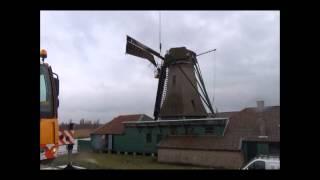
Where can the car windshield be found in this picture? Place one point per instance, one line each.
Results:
(257, 165)
(45, 93)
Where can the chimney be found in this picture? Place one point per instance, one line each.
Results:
(260, 106)
(261, 121)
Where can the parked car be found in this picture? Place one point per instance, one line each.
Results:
(263, 163)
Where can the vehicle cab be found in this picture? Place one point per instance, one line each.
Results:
(49, 102)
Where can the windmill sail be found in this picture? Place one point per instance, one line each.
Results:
(136, 48)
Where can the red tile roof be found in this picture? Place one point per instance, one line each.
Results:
(226, 114)
(116, 126)
(243, 125)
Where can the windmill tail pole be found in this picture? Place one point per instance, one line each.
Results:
(206, 52)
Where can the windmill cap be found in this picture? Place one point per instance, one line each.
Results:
(180, 52)
(43, 53)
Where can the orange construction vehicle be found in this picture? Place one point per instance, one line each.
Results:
(49, 103)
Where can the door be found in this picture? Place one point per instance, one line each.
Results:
(106, 142)
(109, 142)
(251, 150)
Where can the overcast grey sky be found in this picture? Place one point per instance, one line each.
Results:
(99, 81)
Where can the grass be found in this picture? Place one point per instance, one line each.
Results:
(92, 160)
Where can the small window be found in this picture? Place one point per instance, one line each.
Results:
(173, 130)
(188, 130)
(159, 137)
(191, 130)
(193, 105)
(209, 130)
(46, 105)
(148, 138)
(139, 129)
(43, 89)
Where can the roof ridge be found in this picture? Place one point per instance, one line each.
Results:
(99, 128)
(131, 115)
(115, 126)
(254, 107)
(104, 125)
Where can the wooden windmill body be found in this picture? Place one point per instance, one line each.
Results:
(181, 99)
(178, 94)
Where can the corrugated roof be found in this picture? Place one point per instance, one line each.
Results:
(243, 125)
(116, 126)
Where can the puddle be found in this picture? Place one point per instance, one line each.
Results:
(90, 160)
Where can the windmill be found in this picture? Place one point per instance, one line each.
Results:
(181, 90)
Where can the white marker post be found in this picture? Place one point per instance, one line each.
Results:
(69, 148)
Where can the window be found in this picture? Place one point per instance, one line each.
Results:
(159, 137)
(274, 149)
(43, 90)
(174, 80)
(173, 130)
(191, 130)
(258, 165)
(188, 130)
(209, 130)
(193, 105)
(148, 138)
(46, 105)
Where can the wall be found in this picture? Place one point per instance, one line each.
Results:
(84, 145)
(97, 142)
(134, 139)
(215, 159)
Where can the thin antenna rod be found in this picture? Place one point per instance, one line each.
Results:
(214, 77)
(160, 31)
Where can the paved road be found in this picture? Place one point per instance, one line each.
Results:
(46, 167)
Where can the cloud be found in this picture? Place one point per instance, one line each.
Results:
(98, 81)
